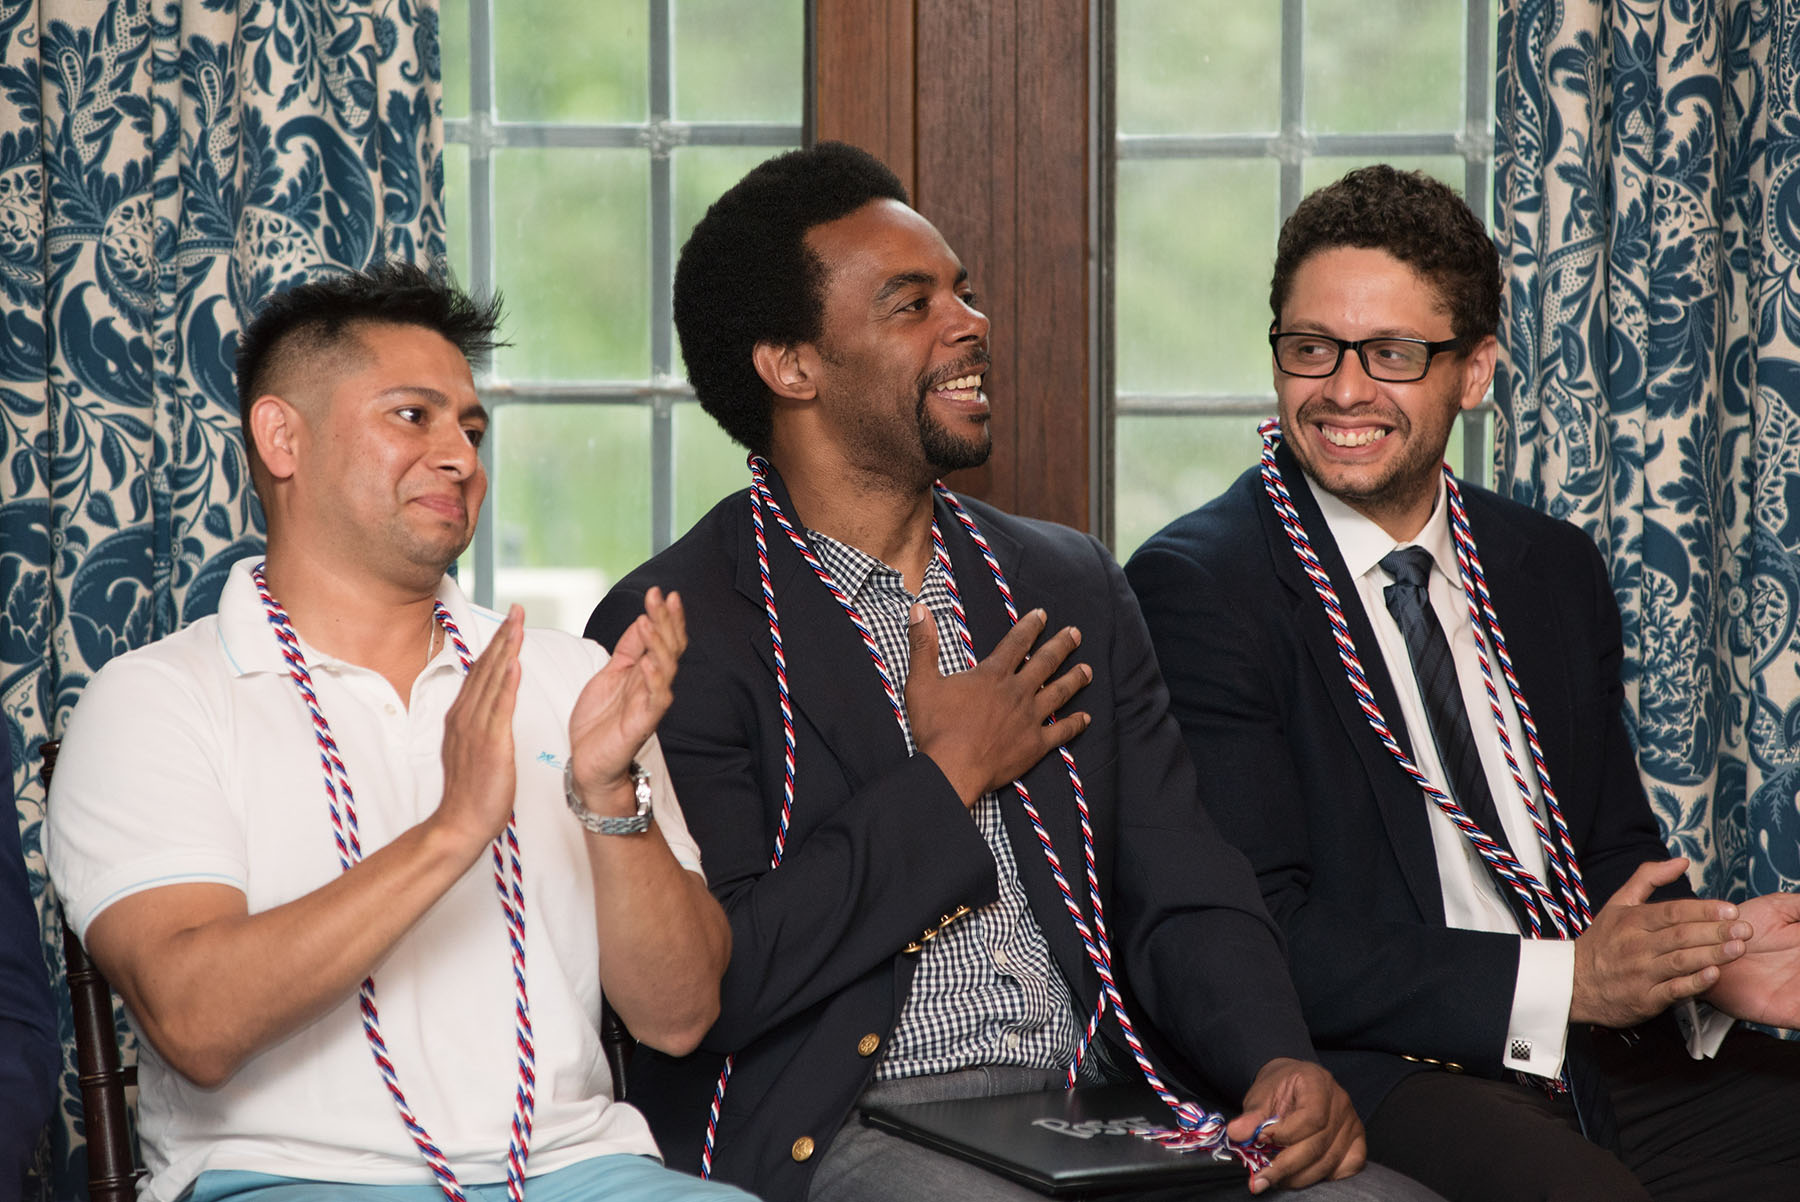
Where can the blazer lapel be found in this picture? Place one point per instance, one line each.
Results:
(1048, 779)
(831, 679)
(1533, 628)
(1401, 801)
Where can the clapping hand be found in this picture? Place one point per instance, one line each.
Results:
(479, 775)
(1763, 985)
(1640, 956)
(621, 706)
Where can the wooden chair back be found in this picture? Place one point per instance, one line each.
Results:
(618, 1044)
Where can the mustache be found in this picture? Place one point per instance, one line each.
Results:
(1391, 414)
(979, 362)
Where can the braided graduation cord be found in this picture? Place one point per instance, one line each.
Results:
(1565, 904)
(1094, 949)
(1198, 1129)
(509, 881)
(1474, 582)
(761, 498)
(759, 489)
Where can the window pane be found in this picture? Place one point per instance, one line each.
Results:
(1169, 465)
(1195, 241)
(1481, 469)
(571, 60)
(701, 175)
(1316, 173)
(453, 41)
(1384, 65)
(571, 503)
(708, 465)
(736, 60)
(572, 256)
(456, 209)
(1198, 66)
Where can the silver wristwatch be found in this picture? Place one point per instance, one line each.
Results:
(630, 824)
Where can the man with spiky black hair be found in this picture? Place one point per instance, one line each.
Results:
(386, 990)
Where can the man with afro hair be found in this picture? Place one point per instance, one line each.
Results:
(874, 664)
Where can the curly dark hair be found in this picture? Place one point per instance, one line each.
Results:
(1415, 218)
(315, 318)
(747, 276)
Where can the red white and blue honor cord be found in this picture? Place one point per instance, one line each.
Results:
(509, 884)
(1563, 906)
(1198, 1129)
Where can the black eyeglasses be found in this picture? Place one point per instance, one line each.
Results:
(1393, 360)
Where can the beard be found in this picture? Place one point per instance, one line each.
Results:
(1405, 480)
(946, 452)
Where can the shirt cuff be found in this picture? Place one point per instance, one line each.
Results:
(1703, 1027)
(1538, 1033)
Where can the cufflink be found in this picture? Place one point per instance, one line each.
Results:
(1521, 1050)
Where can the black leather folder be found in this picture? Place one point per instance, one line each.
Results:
(1072, 1142)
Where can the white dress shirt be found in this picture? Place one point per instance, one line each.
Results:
(1537, 1033)
(1538, 1030)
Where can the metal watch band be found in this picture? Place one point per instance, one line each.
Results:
(629, 824)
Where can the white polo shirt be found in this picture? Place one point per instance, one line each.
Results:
(193, 760)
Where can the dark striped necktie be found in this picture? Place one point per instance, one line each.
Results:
(1435, 670)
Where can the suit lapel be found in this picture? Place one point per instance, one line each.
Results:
(1533, 627)
(831, 679)
(1047, 780)
(1401, 802)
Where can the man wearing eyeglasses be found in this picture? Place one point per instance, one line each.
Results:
(1489, 943)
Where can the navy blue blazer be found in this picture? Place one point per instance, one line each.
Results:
(30, 1054)
(1338, 835)
(881, 847)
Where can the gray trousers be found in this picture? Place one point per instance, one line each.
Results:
(863, 1164)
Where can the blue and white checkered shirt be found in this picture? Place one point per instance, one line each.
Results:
(986, 990)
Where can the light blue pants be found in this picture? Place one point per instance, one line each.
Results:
(618, 1178)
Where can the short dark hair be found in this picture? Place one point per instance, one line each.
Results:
(319, 316)
(747, 276)
(1418, 220)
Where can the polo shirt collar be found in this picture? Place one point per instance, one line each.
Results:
(250, 646)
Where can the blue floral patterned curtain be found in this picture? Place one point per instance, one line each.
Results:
(1648, 211)
(164, 165)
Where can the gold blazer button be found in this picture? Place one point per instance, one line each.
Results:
(867, 1044)
(803, 1148)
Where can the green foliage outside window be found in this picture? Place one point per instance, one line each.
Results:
(1196, 235)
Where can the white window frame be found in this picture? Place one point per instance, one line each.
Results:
(1291, 147)
(659, 136)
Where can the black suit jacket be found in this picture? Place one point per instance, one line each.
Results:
(1339, 836)
(30, 1054)
(880, 847)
